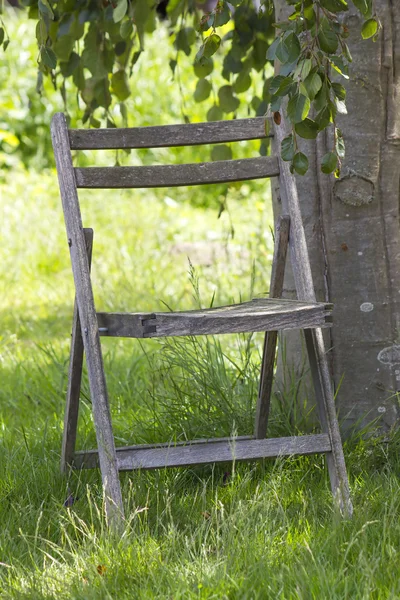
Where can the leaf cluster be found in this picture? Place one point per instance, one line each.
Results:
(96, 44)
(311, 51)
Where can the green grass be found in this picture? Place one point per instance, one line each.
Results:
(265, 530)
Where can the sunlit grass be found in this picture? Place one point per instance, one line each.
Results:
(259, 531)
(265, 530)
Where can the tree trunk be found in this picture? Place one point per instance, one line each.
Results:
(352, 230)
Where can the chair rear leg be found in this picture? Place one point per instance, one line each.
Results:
(329, 423)
(74, 378)
(268, 360)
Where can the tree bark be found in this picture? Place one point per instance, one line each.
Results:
(352, 230)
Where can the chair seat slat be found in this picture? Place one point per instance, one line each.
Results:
(222, 171)
(164, 136)
(256, 315)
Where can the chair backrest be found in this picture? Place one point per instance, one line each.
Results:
(194, 134)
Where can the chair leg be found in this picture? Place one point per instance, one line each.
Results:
(329, 423)
(269, 351)
(74, 378)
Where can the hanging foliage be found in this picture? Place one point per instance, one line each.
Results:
(96, 43)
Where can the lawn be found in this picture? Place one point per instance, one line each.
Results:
(259, 530)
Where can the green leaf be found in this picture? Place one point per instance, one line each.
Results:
(288, 68)
(288, 49)
(48, 57)
(303, 68)
(203, 67)
(63, 47)
(258, 53)
(202, 91)
(221, 152)
(333, 109)
(339, 91)
(285, 86)
(172, 65)
(207, 21)
(242, 83)
(300, 163)
(271, 52)
(102, 92)
(215, 114)
(363, 6)
(339, 146)
(340, 66)
(222, 15)
(120, 10)
(287, 148)
(185, 39)
(199, 55)
(347, 53)
(313, 84)
(298, 108)
(67, 68)
(369, 28)
(211, 45)
(78, 77)
(95, 122)
(65, 24)
(274, 83)
(276, 102)
(322, 97)
(41, 32)
(227, 101)
(310, 16)
(120, 86)
(334, 6)
(329, 163)
(327, 38)
(280, 85)
(120, 48)
(45, 9)
(323, 118)
(126, 29)
(307, 129)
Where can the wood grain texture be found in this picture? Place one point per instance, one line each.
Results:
(222, 171)
(208, 451)
(165, 136)
(269, 351)
(88, 318)
(298, 246)
(315, 344)
(74, 377)
(261, 314)
(327, 414)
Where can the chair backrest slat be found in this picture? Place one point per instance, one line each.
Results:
(165, 136)
(222, 171)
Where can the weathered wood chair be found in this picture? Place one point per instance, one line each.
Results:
(269, 315)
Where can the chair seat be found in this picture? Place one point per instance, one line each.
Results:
(259, 314)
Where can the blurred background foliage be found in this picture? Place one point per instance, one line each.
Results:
(221, 51)
(157, 96)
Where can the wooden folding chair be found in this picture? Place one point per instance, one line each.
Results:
(269, 315)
